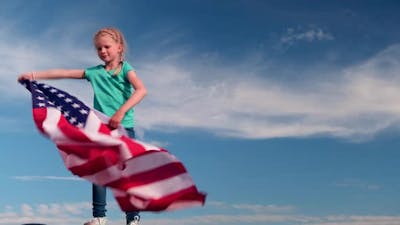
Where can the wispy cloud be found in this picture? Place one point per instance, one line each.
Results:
(258, 208)
(252, 208)
(357, 183)
(357, 220)
(311, 34)
(41, 178)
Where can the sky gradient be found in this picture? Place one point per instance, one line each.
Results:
(284, 112)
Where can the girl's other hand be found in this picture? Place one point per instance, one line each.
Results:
(116, 119)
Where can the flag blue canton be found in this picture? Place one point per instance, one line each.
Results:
(75, 111)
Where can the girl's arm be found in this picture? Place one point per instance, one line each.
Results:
(52, 74)
(136, 97)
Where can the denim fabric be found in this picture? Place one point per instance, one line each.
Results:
(99, 194)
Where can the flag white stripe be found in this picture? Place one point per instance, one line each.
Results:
(71, 160)
(162, 188)
(147, 162)
(50, 125)
(112, 173)
(148, 146)
(138, 203)
(183, 204)
(92, 123)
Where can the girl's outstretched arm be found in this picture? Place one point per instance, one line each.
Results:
(52, 74)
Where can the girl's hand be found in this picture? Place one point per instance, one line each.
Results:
(116, 119)
(26, 76)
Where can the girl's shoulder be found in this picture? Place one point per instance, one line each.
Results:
(92, 71)
(98, 67)
(126, 66)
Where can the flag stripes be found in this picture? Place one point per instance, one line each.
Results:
(142, 177)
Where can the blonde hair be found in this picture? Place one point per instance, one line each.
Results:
(115, 34)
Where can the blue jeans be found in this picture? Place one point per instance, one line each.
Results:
(99, 194)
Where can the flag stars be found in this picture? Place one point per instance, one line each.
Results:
(72, 120)
(83, 111)
(76, 105)
(73, 110)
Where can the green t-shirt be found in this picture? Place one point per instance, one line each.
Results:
(111, 91)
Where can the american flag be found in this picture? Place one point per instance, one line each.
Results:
(142, 177)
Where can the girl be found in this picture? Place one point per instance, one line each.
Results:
(112, 86)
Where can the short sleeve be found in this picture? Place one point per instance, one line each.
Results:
(126, 68)
(89, 72)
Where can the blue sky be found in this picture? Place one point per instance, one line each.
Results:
(284, 112)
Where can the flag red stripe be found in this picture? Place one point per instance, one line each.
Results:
(99, 158)
(39, 115)
(71, 132)
(190, 194)
(135, 148)
(147, 177)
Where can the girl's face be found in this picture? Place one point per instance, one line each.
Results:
(108, 49)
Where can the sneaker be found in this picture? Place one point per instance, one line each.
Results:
(135, 221)
(97, 221)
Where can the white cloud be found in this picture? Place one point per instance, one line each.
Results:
(77, 213)
(54, 48)
(355, 102)
(233, 100)
(62, 214)
(26, 210)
